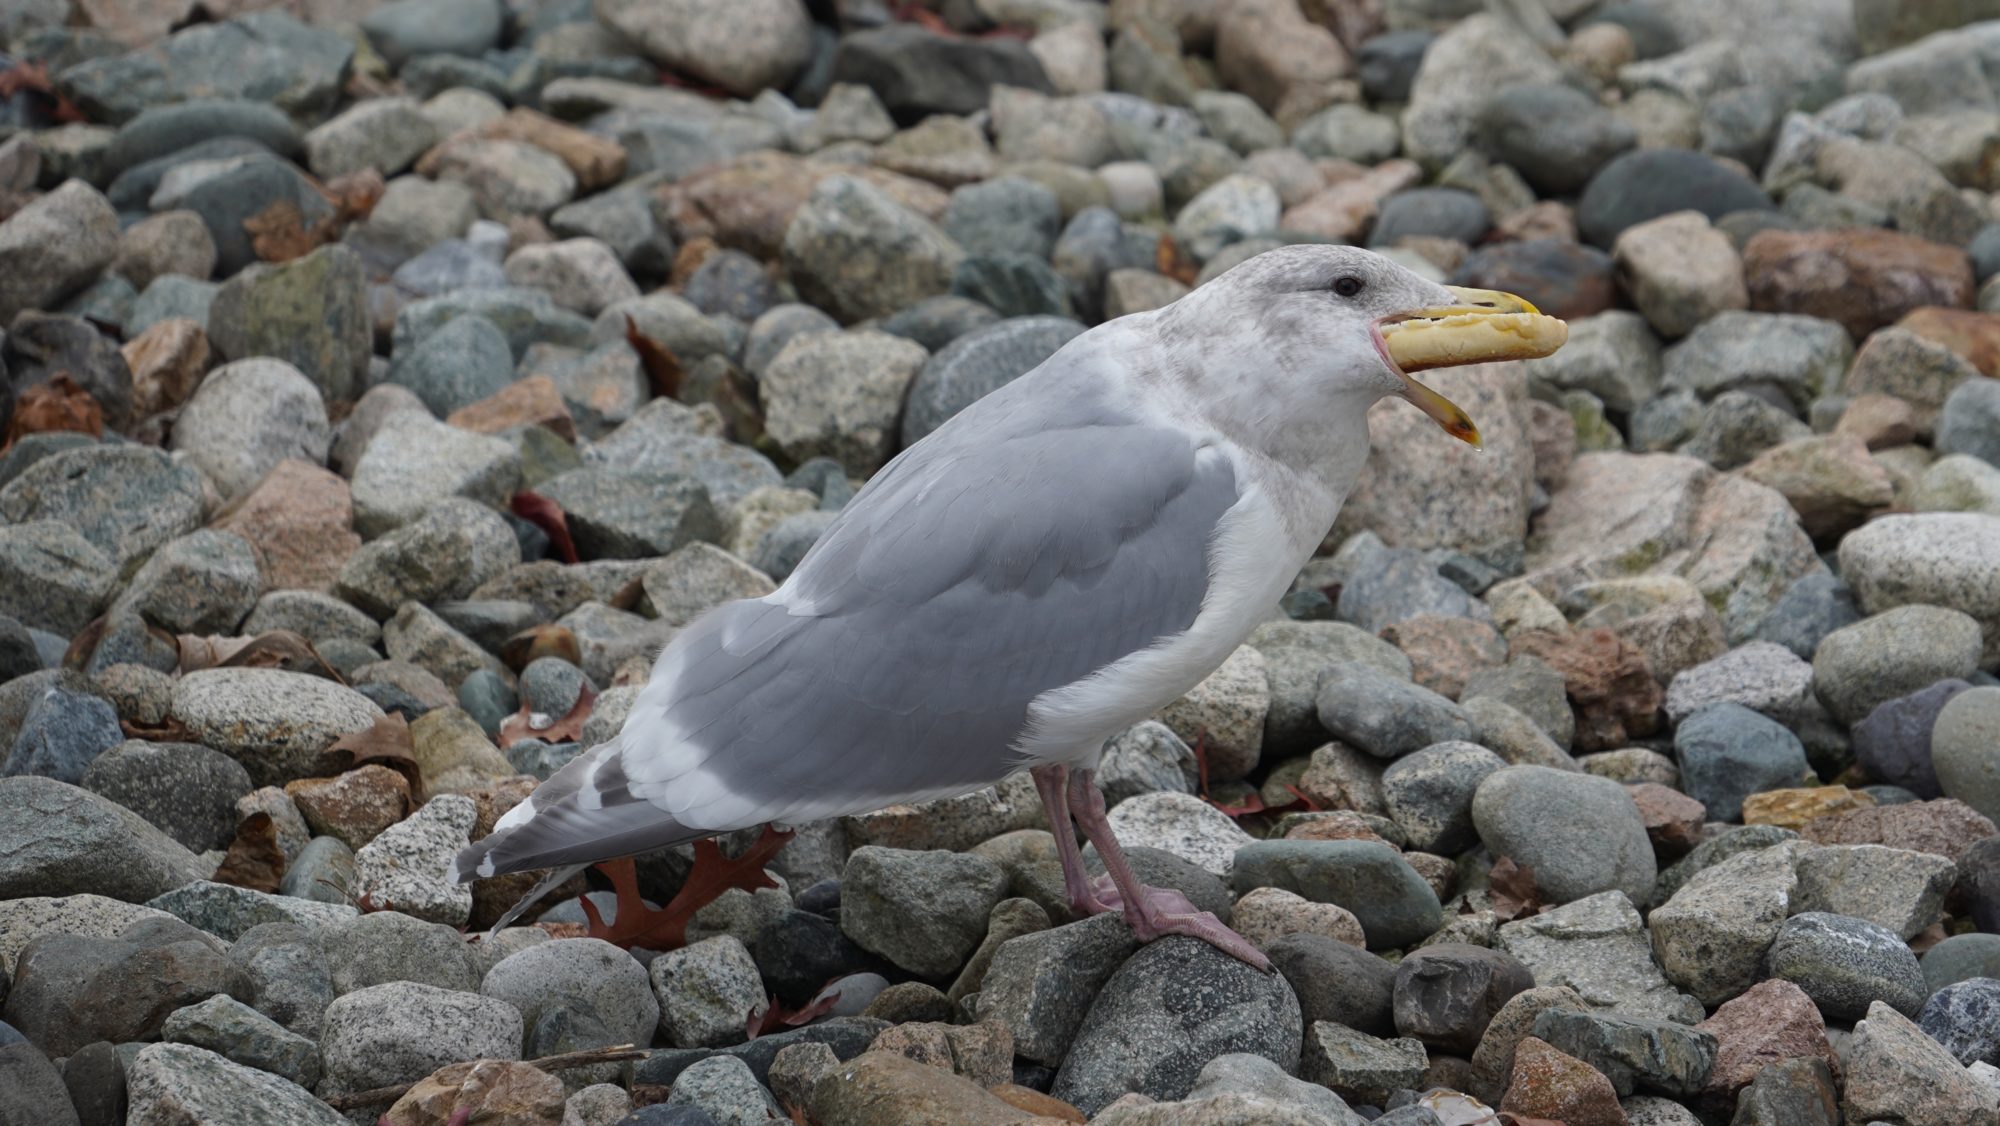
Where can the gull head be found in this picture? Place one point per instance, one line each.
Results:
(1348, 326)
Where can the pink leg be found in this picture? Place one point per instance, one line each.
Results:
(1052, 782)
(1151, 912)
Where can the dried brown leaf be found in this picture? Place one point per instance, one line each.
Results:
(565, 729)
(279, 233)
(1174, 262)
(545, 640)
(1513, 889)
(547, 515)
(387, 742)
(663, 368)
(255, 859)
(665, 928)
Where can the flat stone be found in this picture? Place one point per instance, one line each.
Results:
(1598, 947)
(185, 1083)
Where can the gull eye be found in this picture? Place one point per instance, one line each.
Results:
(1348, 286)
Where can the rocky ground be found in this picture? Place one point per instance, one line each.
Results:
(383, 381)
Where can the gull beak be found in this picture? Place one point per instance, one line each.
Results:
(1478, 326)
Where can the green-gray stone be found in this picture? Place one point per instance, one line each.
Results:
(1394, 904)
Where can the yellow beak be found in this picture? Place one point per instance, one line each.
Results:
(1481, 326)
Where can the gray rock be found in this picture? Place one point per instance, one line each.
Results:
(658, 440)
(623, 220)
(1896, 1073)
(463, 362)
(1004, 215)
(1760, 675)
(313, 615)
(1709, 853)
(1846, 964)
(1614, 355)
(401, 1031)
(386, 134)
(227, 911)
(1650, 183)
(285, 966)
(1360, 1067)
(311, 312)
(1337, 982)
(34, 1089)
(1732, 430)
(70, 990)
(322, 871)
(406, 29)
(605, 979)
(1530, 687)
(54, 246)
(1858, 667)
(404, 868)
(924, 911)
(446, 552)
(858, 254)
(241, 1034)
(698, 578)
(248, 416)
(185, 790)
(1041, 985)
(275, 723)
(1810, 608)
(1171, 1008)
(202, 583)
(1391, 585)
(1430, 794)
(51, 577)
(1965, 1018)
(1962, 749)
(185, 1083)
(1894, 888)
(1967, 422)
(1447, 993)
(1395, 906)
(1728, 752)
(1598, 947)
(415, 460)
(1803, 356)
(125, 500)
(1555, 136)
(1430, 212)
(706, 991)
(164, 131)
(1384, 716)
(1266, 1089)
(1961, 957)
(1934, 558)
(615, 515)
(1711, 937)
(839, 396)
(56, 839)
(1347, 132)
(1634, 1053)
(915, 73)
(1580, 834)
(977, 364)
(1143, 759)
(1229, 210)
(526, 316)
(62, 734)
(385, 946)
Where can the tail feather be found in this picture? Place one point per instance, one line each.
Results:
(542, 887)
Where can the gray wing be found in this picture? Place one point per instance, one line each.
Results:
(1005, 555)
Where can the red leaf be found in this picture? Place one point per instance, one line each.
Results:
(771, 1016)
(547, 515)
(666, 928)
(58, 404)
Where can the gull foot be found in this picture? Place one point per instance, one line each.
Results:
(1164, 911)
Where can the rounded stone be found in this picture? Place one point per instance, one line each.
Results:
(1846, 964)
(1580, 834)
(1429, 794)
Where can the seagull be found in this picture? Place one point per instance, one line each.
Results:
(1054, 564)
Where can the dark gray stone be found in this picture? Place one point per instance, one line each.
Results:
(1969, 422)
(614, 515)
(917, 73)
(226, 200)
(39, 346)
(1042, 985)
(1794, 1092)
(1650, 183)
(95, 1076)
(62, 734)
(924, 911)
(847, 1036)
(1394, 904)
(202, 129)
(1709, 853)
(72, 990)
(408, 28)
(56, 839)
(459, 364)
(1581, 834)
(1171, 1008)
(1014, 285)
(185, 790)
(1446, 994)
(1388, 63)
(1845, 964)
(978, 363)
(1965, 1018)
(1005, 215)
(1635, 1053)
(1728, 752)
(1810, 608)
(31, 1089)
(1434, 212)
(285, 966)
(237, 1032)
(1556, 137)
(1337, 982)
(1385, 716)
(1894, 742)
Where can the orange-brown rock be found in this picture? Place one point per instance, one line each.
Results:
(1945, 827)
(747, 203)
(886, 1089)
(489, 1092)
(1771, 1021)
(596, 161)
(1445, 652)
(1611, 689)
(1976, 336)
(353, 807)
(300, 518)
(1880, 421)
(1794, 809)
(1673, 819)
(1862, 277)
(168, 361)
(533, 401)
(1547, 1083)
